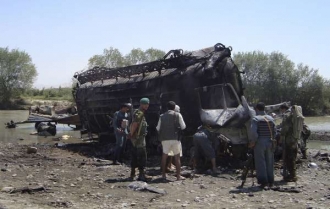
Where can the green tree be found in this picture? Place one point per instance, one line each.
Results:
(273, 78)
(113, 58)
(254, 65)
(42, 91)
(268, 77)
(154, 54)
(327, 97)
(17, 72)
(311, 93)
(281, 79)
(110, 58)
(136, 56)
(60, 92)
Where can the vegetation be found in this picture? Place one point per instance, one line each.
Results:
(113, 58)
(273, 78)
(49, 94)
(17, 72)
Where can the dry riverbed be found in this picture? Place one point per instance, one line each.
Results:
(72, 177)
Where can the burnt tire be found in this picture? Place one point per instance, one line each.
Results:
(36, 125)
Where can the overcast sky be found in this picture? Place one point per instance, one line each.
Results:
(61, 35)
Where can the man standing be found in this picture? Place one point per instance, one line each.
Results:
(170, 163)
(262, 136)
(168, 127)
(138, 132)
(292, 127)
(120, 121)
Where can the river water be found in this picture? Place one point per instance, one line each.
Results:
(23, 130)
(318, 123)
(22, 133)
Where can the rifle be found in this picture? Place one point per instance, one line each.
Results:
(285, 170)
(131, 112)
(127, 129)
(248, 166)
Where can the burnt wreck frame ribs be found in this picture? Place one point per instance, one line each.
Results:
(206, 84)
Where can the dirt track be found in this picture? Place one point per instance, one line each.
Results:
(73, 178)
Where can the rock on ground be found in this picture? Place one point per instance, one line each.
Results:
(76, 178)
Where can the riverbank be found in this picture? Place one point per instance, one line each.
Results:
(25, 104)
(76, 177)
(320, 135)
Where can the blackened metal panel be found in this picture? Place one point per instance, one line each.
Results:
(96, 99)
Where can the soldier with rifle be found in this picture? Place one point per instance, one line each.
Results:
(262, 141)
(138, 132)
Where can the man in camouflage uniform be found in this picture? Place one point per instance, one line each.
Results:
(138, 131)
(289, 139)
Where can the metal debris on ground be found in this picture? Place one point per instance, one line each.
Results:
(141, 186)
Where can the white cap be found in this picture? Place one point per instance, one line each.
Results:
(177, 108)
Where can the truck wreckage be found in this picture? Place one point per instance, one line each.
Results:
(206, 84)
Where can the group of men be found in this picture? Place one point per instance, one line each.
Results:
(136, 133)
(168, 127)
(263, 142)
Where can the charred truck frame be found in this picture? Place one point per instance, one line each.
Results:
(206, 84)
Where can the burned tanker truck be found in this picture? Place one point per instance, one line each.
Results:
(206, 84)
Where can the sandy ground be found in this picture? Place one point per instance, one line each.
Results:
(76, 177)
